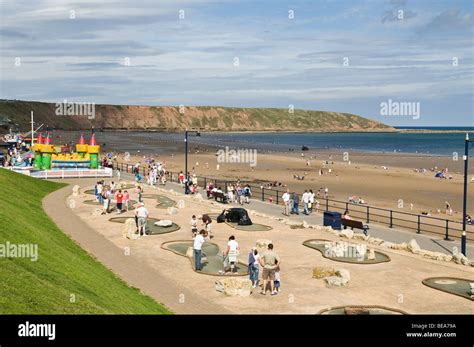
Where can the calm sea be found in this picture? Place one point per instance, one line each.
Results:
(421, 143)
(444, 143)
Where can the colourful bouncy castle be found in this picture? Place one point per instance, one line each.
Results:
(46, 157)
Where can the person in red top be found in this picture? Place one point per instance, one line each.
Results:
(119, 197)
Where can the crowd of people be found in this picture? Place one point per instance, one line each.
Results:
(291, 202)
(234, 193)
(269, 262)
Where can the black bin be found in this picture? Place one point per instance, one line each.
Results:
(332, 219)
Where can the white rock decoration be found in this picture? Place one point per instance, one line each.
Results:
(371, 255)
(347, 233)
(76, 190)
(336, 281)
(343, 273)
(413, 246)
(190, 252)
(129, 228)
(172, 210)
(234, 286)
(263, 243)
(181, 204)
(164, 223)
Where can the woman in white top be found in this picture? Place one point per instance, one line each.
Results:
(231, 253)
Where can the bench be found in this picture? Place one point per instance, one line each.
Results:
(355, 224)
(220, 196)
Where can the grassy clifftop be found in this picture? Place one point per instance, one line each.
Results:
(63, 268)
(215, 118)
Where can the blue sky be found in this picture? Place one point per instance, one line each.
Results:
(282, 61)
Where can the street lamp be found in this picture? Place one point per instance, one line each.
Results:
(464, 207)
(198, 134)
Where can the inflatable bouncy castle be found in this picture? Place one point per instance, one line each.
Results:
(47, 157)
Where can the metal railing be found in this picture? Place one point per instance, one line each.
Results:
(448, 228)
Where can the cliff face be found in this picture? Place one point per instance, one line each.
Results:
(13, 112)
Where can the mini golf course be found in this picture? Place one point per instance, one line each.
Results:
(212, 258)
(163, 201)
(451, 285)
(253, 227)
(350, 258)
(361, 310)
(151, 228)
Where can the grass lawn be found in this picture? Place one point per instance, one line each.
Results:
(63, 269)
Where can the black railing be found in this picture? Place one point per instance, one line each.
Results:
(393, 218)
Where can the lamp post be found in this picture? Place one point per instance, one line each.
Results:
(198, 134)
(464, 207)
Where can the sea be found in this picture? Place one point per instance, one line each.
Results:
(436, 141)
(431, 142)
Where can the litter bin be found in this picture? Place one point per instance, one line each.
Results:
(332, 219)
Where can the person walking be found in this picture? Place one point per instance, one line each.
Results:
(207, 222)
(197, 247)
(139, 193)
(254, 267)
(296, 202)
(142, 215)
(126, 197)
(286, 202)
(119, 198)
(269, 261)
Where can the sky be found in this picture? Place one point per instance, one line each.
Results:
(333, 55)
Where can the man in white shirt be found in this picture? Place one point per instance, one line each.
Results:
(198, 242)
(230, 255)
(286, 202)
(99, 192)
(141, 213)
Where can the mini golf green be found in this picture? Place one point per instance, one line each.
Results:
(351, 258)
(163, 201)
(361, 310)
(253, 227)
(213, 262)
(111, 206)
(151, 228)
(451, 285)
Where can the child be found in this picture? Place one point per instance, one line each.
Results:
(139, 193)
(193, 223)
(126, 197)
(276, 281)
